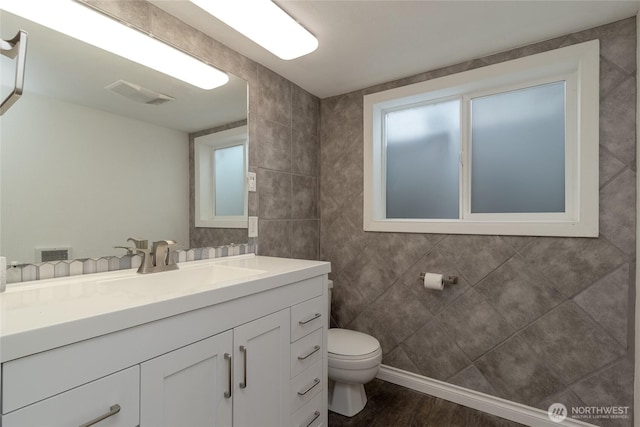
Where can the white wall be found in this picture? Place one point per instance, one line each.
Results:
(80, 177)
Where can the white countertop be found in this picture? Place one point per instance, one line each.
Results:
(41, 315)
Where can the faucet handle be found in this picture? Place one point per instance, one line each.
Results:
(140, 243)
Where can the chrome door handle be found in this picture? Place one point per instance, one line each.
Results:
(309, 319)
(112, 411)
(315, 417)
(316, 381)
(243, 349)
(227, 393)
(314, 350)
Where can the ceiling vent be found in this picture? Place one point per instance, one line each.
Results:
(138, 93)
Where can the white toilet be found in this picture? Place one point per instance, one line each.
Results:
(354, 359)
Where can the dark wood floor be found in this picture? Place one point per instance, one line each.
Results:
(390, 405)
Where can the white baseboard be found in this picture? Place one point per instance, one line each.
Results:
(474, 399)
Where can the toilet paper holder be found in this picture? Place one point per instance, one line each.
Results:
(449, 280)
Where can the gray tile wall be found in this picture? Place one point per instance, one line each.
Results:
(535, 320)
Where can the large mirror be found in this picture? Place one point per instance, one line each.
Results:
(97, 148)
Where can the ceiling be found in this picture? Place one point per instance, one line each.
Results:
(363, 43)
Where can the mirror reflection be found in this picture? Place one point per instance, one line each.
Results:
(97, 148)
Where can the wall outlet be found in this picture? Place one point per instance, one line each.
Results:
(253, 226)
(252, 181)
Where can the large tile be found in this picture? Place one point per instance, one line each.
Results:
(305, 154)
(304, 239)
(402, 250)
(474, 325)
(610, 76)
(519, 293)
(610, 387)
(399, 359)
(399, 311)
(618, 121)
(433, 300)
(370, 274)
(618, 211)
(274, 145)
(329, 209)
(304, 204)
(275, 238)
(609, 166)
(476, 256)
(570, 343)
(344, 113)
(343, 179)
(306, 111)
(274, 194)
(274, 99)
(517, 374)
(346, 301)
(572, 264)
(471, 378)
(434, 353)
(343, 241)
(608, 301)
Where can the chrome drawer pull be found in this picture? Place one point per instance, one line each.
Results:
(315, 383)
(227, 394)
(309, 319)
(315, 349)
(243, 349)
(315, 417)
(112, 411)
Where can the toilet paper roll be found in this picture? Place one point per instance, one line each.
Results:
(433, 281)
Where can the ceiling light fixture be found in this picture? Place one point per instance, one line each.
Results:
(265, 23)
(83, 23)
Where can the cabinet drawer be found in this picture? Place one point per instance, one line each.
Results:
(310, 415)
(306, 317)
(305, 386)
(85, 403)
(306, 351)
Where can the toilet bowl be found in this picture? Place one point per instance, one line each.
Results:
(354, 359)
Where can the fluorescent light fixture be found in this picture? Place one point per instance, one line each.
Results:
(85, 24)
(265, 23)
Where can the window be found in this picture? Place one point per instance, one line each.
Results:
(511, 148)
(220, 179)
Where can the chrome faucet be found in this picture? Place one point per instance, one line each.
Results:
(160, 258)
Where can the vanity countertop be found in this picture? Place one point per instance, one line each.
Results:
(38, 316)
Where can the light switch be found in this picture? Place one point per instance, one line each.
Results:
(253, 226)
(252, 182)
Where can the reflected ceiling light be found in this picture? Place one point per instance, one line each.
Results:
(85, 24)
(265, 23)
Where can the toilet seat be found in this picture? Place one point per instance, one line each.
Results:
(345, 344)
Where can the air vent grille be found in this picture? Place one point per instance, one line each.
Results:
(138, 93)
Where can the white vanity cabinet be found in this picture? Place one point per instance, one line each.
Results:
(240, 375)
(225, 363)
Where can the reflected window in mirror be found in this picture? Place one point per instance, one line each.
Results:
(221, 183)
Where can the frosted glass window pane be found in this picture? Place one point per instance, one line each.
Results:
(422, 153)
(229, 178)
(518, 151)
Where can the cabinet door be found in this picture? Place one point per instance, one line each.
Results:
(188, 387)
(261, 372)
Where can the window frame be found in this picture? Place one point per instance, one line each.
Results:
(205, 183)
(577, 65)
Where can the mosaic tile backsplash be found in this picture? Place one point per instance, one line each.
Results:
(75, 267)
